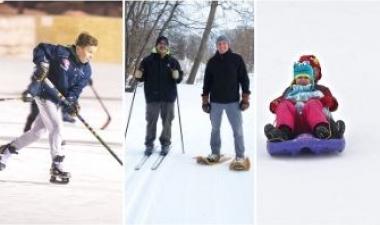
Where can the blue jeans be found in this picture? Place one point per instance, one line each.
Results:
(235, 118)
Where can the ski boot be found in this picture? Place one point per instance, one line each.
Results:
(322, 131)
(148, 150)
(277, 134)
(5, 153)
(164, 150)
(57, 175)
(240, 164)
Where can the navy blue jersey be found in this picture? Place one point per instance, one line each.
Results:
(66, 72)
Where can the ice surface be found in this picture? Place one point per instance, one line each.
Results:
(94, 194)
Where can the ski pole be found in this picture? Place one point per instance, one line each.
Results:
(130, 111)
(103, 106)
(64, 100)
(180, 124)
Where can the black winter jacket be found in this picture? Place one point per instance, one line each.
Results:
(224, 74)
(159, 85)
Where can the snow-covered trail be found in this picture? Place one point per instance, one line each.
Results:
(94, 194)
(341, 189)
(181, 191)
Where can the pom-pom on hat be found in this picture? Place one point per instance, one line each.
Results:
(314, 62)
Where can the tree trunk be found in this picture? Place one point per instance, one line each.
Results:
(202, 46)
(166, 24)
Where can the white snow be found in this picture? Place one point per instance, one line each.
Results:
(94, 194)
(338, 189)
(181, 191)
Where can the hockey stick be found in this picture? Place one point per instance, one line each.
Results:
(10, 99)
(64, 100)
(103, 106)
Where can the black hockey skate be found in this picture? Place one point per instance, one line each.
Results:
(57, 175)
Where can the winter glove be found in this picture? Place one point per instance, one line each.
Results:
(138, 74)
(71, 107)
(206, 107)
(175, 74)
(26, 97)
(244, 103)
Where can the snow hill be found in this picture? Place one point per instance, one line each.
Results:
(94, 193)
(329, 190)
(181, 191)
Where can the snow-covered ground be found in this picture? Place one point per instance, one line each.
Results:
(94, 194)
(180, 191)
(339, 189)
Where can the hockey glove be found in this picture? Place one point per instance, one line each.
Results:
(42, 70)
(72, 107)
(26, 97)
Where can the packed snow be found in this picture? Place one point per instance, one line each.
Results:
(335, 189)
(94, 194)
(181, 191)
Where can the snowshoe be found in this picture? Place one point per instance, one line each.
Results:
(306, 143)
(212, 159)
(240, 164)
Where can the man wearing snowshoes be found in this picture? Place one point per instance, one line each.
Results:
(225, 73)
(160, 72)
(305, 106)
(68, 68)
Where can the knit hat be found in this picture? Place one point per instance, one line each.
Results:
(303, 69)
(314, 62)
(222, 38)
(162, 38)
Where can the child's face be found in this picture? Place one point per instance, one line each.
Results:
(302, 80)
(86, 54)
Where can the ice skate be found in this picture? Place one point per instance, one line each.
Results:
(57, 174)
(5, 153)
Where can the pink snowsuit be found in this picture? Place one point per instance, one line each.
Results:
(312, 115)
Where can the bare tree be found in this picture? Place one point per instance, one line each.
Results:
(202, 46)
(169, 19)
